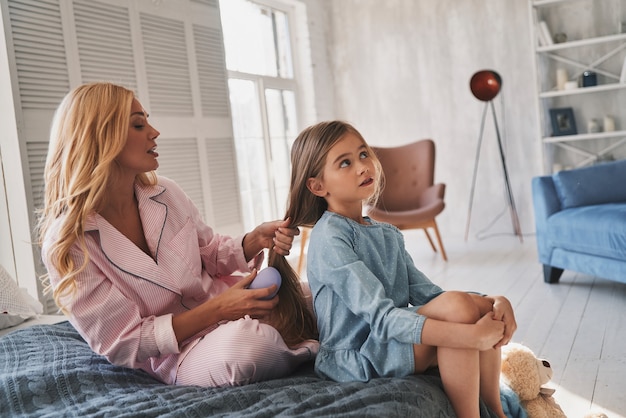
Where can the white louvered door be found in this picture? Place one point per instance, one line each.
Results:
(170, 52)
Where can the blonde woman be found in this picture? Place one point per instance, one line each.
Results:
(140, 276)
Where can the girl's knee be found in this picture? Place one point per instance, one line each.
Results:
(462, 308)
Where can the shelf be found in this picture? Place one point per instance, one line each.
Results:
(604, 54)
(582, 42)
(583, 137)
(539, 3)
(582, 90)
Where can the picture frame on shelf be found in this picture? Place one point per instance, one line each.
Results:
(563, 121)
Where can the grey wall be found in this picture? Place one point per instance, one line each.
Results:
(400, 71)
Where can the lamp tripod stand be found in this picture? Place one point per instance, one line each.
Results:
(485, 85)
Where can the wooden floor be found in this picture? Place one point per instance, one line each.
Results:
(578, 325)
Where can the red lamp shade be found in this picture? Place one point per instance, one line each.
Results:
(485, 85)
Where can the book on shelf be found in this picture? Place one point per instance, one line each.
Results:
(622, 78)
(541, 38)
(545, 33)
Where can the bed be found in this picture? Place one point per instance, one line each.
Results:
(49, 370)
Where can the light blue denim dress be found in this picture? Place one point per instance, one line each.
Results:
(365, 292)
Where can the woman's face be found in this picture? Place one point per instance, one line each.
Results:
(139, 154)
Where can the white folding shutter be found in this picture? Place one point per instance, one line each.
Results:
(39, 52)
(104, 40)
(219, 150)
(40, 61)
(167, 65)
(52, 55)
(220, 154)
(188, 159)
(209, 46)
(105, 52)
(38, 49)
(180, 161)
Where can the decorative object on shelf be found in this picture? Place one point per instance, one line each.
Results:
(485, 86)
(571, 85)
(561, 78)
(593, 126)
(590, 79)
(560, 38)
(609, 124)
(563, 122)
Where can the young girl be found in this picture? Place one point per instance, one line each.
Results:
(377, 314)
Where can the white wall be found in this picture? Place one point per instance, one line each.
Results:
(320, 45)
(401, 70)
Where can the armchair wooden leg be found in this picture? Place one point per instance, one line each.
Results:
(443, 250)
(430, 240)
(303, 240)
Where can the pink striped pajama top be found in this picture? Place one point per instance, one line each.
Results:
(125, 300)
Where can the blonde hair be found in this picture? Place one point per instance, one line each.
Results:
(89, 130)
(308, 157)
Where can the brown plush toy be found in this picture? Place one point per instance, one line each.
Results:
(525, 374)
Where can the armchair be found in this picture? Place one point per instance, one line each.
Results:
(410, 199)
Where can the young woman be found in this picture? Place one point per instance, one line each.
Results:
(377, 314)
(141, 277)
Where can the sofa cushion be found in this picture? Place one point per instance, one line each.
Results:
(600, 183)
(598, 230)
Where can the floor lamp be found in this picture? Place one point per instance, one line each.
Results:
(485, 86)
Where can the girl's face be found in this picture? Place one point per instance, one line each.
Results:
(347, 178)
(139, 154)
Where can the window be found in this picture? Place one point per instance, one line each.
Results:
(263, 100)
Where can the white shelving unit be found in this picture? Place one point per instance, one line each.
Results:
(595, 32)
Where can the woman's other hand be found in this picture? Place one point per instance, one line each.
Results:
(238, 300)
(234, 303)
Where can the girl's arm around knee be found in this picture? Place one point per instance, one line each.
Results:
(483, 335)
(503, 311)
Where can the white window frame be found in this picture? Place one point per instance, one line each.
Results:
(301, 84)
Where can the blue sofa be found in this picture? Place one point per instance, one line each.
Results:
(580, 220)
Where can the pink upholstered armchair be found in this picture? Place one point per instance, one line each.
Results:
(410, 199)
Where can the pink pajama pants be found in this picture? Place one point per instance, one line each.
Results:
(241, 352)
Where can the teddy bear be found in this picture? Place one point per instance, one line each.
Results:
(526, 375)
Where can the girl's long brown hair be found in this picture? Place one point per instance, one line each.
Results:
(308, 156)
